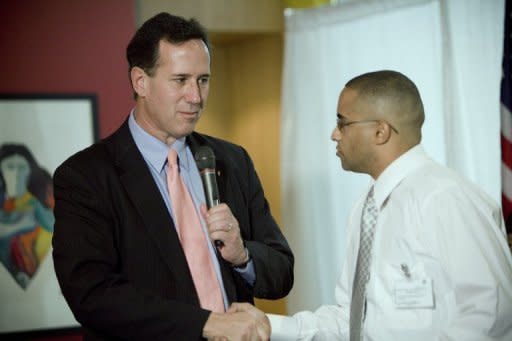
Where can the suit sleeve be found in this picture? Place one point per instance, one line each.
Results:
(87, 264)
(272, 257)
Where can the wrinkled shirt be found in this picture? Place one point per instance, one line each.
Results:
(432, 226)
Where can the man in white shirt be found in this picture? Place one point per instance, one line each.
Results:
(439, 265)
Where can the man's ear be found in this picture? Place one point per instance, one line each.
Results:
(383, 132)
(139, 81)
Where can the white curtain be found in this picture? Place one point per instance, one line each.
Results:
(450, 49)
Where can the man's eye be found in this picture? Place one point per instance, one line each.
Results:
(203, 81)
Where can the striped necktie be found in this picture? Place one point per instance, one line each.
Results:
(362, 275)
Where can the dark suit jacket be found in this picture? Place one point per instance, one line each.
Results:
(117, 256)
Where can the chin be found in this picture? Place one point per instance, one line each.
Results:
(345, 166)
(187, 128)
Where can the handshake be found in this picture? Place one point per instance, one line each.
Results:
(242, 321)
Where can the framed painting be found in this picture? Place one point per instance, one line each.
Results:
(37, 133)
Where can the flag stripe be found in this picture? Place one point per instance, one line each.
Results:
(506, 175)
(506, 152)
(507, 207)
(506, 122)
(506, 119)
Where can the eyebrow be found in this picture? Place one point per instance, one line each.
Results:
(340, 116)
(189, 75)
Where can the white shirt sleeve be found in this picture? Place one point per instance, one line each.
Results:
(321, 325)
(284, 328)
(469, 241)
(329, 322)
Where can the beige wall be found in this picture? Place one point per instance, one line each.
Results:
(244, 107)
(245, 90)
(220, 15)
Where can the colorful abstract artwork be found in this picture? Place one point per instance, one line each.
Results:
(26, 217)
(37, 133)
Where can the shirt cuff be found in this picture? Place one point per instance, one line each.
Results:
(247, 272)
(284, 328)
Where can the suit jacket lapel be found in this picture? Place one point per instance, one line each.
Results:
(147, 200)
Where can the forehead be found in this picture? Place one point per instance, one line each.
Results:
(347, 101)
(192, 52)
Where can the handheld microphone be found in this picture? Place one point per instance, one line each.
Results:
(205, 160)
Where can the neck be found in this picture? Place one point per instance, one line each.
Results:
(387, 157)
(149, 127)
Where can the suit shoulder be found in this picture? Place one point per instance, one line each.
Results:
(221, 145)
(96, 155)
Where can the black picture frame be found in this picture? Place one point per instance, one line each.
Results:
(37, 133)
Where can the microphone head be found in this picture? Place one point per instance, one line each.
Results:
(205, 158)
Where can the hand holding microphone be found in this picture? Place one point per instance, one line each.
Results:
(220, 219)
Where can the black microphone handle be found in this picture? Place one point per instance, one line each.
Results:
(211, 193)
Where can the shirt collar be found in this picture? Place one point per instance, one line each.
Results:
(397, 171)
(153, 150)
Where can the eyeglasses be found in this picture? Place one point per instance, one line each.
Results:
(341, 123)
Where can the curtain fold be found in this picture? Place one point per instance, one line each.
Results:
(472, 53)
(451, 50)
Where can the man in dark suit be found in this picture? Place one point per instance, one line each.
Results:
(117, 249)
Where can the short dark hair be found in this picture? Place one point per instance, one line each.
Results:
(394, 86)
(142, 51)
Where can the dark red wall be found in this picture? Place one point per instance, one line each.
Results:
(68, 47)
(63, 46)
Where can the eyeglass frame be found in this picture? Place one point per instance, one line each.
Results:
(340, 124)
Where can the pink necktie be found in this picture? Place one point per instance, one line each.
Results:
(192, 239)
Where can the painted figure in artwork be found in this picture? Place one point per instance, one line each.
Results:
(26, 212)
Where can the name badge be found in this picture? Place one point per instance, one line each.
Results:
(413, 293)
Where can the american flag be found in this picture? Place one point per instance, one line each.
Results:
(506, 121)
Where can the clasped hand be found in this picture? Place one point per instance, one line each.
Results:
(222, 225)
(242, 322)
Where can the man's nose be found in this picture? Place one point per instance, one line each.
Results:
(336, 134)
(193, 94)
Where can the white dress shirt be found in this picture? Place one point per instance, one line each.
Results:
(441, 266)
